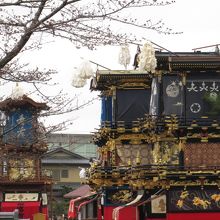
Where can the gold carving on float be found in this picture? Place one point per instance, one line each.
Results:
(135, 127)
(21, 170)
(194, 183)
(135, 141)
(148, 184)
(182, 144)
(121, 129)
(121, 196)
(138, 159)
(184, 194)
(165, 153)
(149, 123)
(171, 122)
(115, 175)
(200, 202)
(180, 203)
(135, 177)
(216, 197)
(197, 201)
(134, 85)
(131, 136)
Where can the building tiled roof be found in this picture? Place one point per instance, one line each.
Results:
(69, 157)
(59, 150)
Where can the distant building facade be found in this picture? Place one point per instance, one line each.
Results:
(81, 144)
(66, 154)
(64, 167)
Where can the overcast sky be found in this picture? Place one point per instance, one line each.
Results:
(197, 19)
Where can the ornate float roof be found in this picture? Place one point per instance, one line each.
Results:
(24, 100)
(105, 79)
(166, 61)
(188, 61)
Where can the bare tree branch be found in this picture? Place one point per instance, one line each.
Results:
(71, 19)
(26, 24)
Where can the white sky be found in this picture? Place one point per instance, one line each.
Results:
(197, 19)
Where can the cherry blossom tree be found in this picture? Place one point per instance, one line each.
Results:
(27, 24)
(24, 24)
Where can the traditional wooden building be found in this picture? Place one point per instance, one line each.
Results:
(64, 167)
(23, 186)
(159, 141)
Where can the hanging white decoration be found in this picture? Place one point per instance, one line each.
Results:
(82, 173)
(147, 58)
(154, 97)
(83, 73)
(85, 70)
(124, 56)
(78, 82)
(17, 92)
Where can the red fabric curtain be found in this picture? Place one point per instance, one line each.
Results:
(8, 206)
(127, 213)
(26, 209)
(108, 212)
(193, 216)
(31, 208)
(45, 211)
(156, 218)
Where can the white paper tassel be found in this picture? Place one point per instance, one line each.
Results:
(83, 73)
(17, 92)
(82, 173)
(124, 56)
(154, 97)
(85, 70)
(78, 82)
(147, 57)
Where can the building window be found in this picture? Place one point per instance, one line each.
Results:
(64, 174)
(56, 175)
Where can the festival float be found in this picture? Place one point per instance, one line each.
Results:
(159, 138)
(23, 186)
